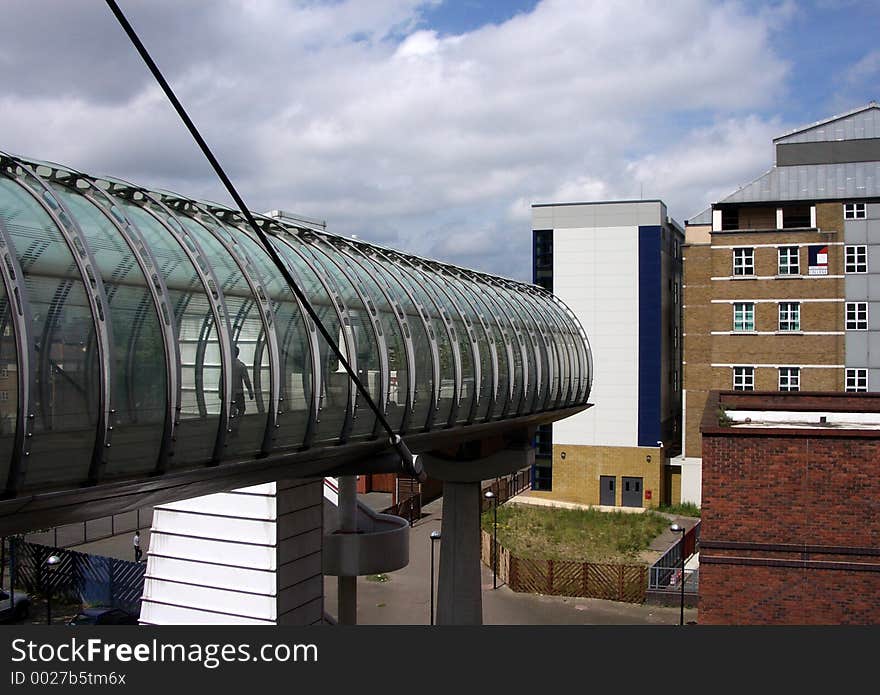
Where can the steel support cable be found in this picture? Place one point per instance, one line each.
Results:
(411, 465)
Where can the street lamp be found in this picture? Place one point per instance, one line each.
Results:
(435, 536)
(494, 500)
(51, 565)
(678, 528)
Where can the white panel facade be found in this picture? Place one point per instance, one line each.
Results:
(691, 479)
(218, 560)
(595, 272)
(255, 581)
(249, 506)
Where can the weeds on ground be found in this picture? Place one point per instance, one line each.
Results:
(588, 535)
(684, 509)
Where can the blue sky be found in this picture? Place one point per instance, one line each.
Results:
(433, 126)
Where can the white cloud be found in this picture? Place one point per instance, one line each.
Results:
(360, 114)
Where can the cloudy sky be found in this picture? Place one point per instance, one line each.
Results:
(433, 125)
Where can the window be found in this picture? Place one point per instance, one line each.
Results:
(856, 259)
(857, 316)
(4, 372)
(729, 219)
(744, 316)
(796, 216)
(856, 380)
(789, 379)
(4, 395)
(743, 378)
(855, 211)
(744, 261)
(789, 316)
(789, 261)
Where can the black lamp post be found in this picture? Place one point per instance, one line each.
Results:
(678, 528)
(51, 565)
(435, 536)
(489, 495)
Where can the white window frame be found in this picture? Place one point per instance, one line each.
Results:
(789, 317)
(856, 316)
(744, 261)
(856, 380)
(855, 211)
(744, 378)
(789, 378)
(747, 318)
(856, 258)
(788, 268)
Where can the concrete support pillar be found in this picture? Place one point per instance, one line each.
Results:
(347, 586)
(459, 598)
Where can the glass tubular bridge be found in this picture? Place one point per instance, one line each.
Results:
(144, 333)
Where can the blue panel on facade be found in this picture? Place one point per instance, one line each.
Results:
(650, 337)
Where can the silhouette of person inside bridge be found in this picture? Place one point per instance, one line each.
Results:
(240, 380)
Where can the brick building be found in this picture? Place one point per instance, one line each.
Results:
(779, 289)
(617, 265)
(790, 509)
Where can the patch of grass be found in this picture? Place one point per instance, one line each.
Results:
(377, 578)
(544, 533)
(685, 509)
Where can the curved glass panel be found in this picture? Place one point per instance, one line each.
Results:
(526, 337)
(435, 305)
(418, 331)
(480, 340)
(335, 396)
(465, 320)
(379, 297)
(360, 332)
(139, 398)
(8, 383)
(200, 364)
(500, 329)
(250, 370)
(537, 350)
(515, 349)
(66, 401)
(297, 387)
(493, 353)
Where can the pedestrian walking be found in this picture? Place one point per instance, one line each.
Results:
(136, 542)
(240, 380)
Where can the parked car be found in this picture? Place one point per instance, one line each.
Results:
(19, 609)
(103, 615)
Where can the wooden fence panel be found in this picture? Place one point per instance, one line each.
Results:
(634, 583)
(603, 581)
(531, 576)
(563, 578)
(567, 578)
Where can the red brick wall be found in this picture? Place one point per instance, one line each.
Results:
(741, 595)
(790, 490)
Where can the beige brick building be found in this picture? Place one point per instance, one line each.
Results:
(777, 291)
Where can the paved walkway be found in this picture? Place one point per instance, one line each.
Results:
(404, 599)
(119, 547)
